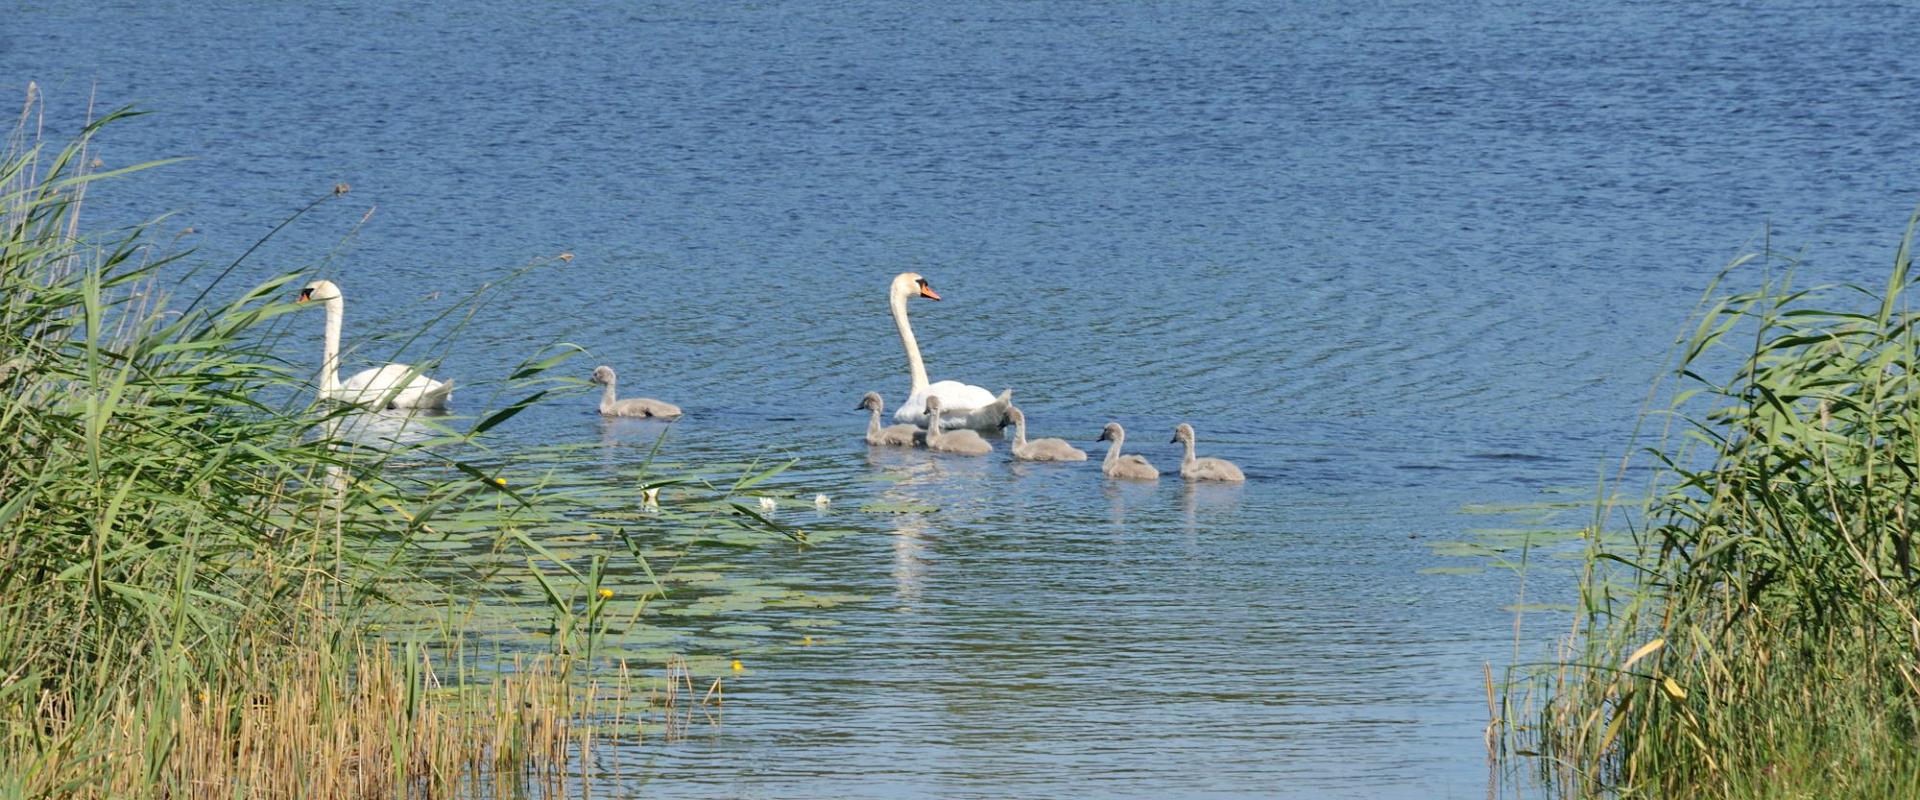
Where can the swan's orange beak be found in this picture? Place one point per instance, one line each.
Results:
(305, 295)
(927, 291)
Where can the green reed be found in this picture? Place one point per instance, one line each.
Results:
(1758, 637)
(195, 554)
(184, 531)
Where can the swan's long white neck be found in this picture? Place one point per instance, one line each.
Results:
(1113, 449)
(330, 353)
(606, 397)
(915, 367)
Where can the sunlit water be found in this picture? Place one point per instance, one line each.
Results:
(1395, 259)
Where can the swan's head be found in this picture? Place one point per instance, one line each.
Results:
(1182, 433)
(1112, 433)
(870, 402)
(603, 374)
(1014, 417)
(319, 292)
(933, 404)
(908, 284)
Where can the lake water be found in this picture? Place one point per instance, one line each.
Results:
(1400, 260)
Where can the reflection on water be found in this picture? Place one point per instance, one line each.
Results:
(1360, 246)
(386, 428)
(633, 431)
(1218, 500)
(1122, 495)
(911, 557)
(906, 475)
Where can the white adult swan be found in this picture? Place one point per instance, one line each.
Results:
(632, 406)
(964, 405)
(388, 386)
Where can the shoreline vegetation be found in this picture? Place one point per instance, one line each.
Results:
(198, 562)
(1757, 636)
(197, 559)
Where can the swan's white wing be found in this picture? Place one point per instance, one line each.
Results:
(384, 378)
(394, 385)
(424, 392)
(957, 400)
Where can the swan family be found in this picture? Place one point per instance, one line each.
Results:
(943, 417)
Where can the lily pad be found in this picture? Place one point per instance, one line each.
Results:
(818, 600)
(1519, 508)
(738, 630)
(1536, 536)
(1452, 570)
(899, 508)
(1465, 549)
(1524, 607)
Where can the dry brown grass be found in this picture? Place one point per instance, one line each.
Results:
(379, 723)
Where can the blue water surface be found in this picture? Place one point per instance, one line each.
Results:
(1398, 259)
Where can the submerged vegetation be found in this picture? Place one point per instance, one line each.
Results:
(1757, 637)
(195, 556)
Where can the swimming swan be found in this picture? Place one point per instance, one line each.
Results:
(966, 406)
(389, 386)
(1204, 469)
(962, 442)
(632, 406)
(892, 435)
(1039, 449)
(1128, 467)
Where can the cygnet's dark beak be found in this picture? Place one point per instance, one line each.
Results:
(1103, 437)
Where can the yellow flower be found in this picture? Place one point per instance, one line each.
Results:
(737, 666)
(203, 695)
(500, 481)
(606, 594)
(806, 641)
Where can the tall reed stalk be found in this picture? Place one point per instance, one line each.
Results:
(185, 554)
(1758, 637)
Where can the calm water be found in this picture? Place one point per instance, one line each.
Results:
(1393, 258)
